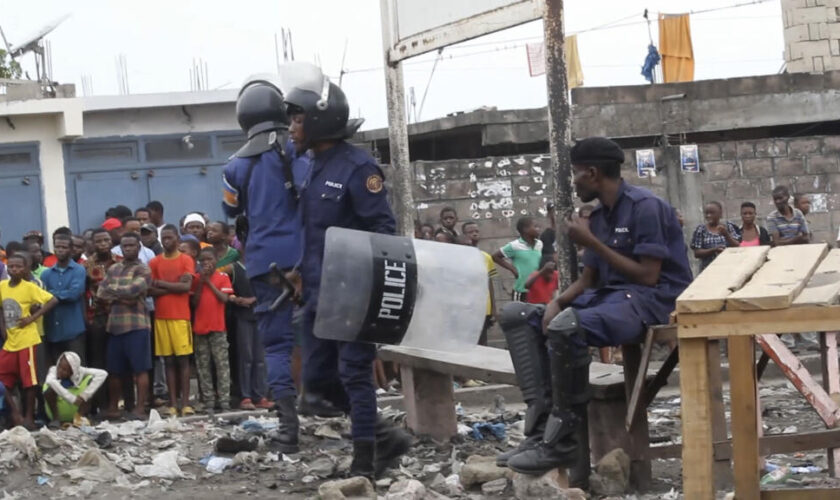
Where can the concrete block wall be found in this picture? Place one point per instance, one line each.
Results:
(737, 171)
(812, 35)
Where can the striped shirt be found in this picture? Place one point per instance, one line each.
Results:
(125, 287)
(787, 228)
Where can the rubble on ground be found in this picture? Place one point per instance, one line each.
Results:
(215, 457)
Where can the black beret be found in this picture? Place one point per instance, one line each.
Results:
(596, 150)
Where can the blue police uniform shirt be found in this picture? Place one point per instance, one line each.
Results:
(273, 215)
(345, 189)
(641, 225)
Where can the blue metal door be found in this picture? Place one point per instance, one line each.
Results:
(94, 193)
(23, 210)
(20, 192)
(188, 189)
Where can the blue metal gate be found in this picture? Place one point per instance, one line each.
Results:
(20, 191)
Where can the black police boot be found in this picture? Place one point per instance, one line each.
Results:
(363, 459)
(313, 404)
(569, 359)
(286, 435)
(391, 444)
(526, 346)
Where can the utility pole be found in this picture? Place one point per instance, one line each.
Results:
(559, 138)
(397, 127)
(559, 133)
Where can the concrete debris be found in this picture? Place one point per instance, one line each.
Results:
(550, 485)
(481, 469)
(355, 487)
(612, 474)
(495, 487)
(406, 489)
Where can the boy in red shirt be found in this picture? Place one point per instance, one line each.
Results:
(210, 294)
(172, 276)
(542, 284)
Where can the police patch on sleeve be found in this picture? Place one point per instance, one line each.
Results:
(374, 183)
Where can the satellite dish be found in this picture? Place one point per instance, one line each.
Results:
(32, 43)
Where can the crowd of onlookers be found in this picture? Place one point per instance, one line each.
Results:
(108, 324)
(129, 304)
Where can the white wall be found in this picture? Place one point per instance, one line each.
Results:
(53, 122)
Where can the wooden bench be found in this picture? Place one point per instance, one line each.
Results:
(430, 399)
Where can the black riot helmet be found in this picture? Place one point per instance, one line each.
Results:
(327, 111)
(261, 110)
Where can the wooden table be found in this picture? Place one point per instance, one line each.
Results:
(749, 295)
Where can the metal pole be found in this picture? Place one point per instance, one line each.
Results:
(397, 127)
(559, 133)
(559, 139)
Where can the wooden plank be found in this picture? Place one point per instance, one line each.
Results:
(429, 401)
(744, 423)
(727, 273)
(722, 468)
(696, 420)
(792, 368)
(734, 323)
(831, 383)
(824, 286)
(780, 279)
(640, 471)
(768, 445)
(661, 379)
(801, 494)
(639, 381)
(493, 365)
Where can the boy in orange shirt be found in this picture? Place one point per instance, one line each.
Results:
(17, 357)
(172, 276)
(210, 294)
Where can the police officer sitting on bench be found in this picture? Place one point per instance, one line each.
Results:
(635, 266)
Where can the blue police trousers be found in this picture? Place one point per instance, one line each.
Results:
(275, 328)
(325, 362)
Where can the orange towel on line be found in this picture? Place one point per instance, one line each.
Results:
(675, 48)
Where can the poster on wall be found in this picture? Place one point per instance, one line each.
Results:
(645, 163)
(689, 158)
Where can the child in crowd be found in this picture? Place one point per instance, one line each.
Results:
(69, 388)
(542, 284)
(172, 276)
(210, 294)
(23, 304)
(189, 246)
(521, 256)
(251, 356)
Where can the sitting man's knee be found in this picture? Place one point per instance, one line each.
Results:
(515, 314)
(565, 324)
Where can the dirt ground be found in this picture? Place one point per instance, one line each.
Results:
(51, 469)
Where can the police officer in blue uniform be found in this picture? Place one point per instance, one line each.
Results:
(635, 266)
(345, 189)
(259, 182)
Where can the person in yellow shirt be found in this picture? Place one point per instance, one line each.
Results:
(23, 304)
(471, 231)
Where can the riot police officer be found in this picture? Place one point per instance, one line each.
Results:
(345, 189)
(259, 182)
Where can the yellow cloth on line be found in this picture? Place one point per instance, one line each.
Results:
(574, 72)
(675, 48)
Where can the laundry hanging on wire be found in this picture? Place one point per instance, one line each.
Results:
(574, 71)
